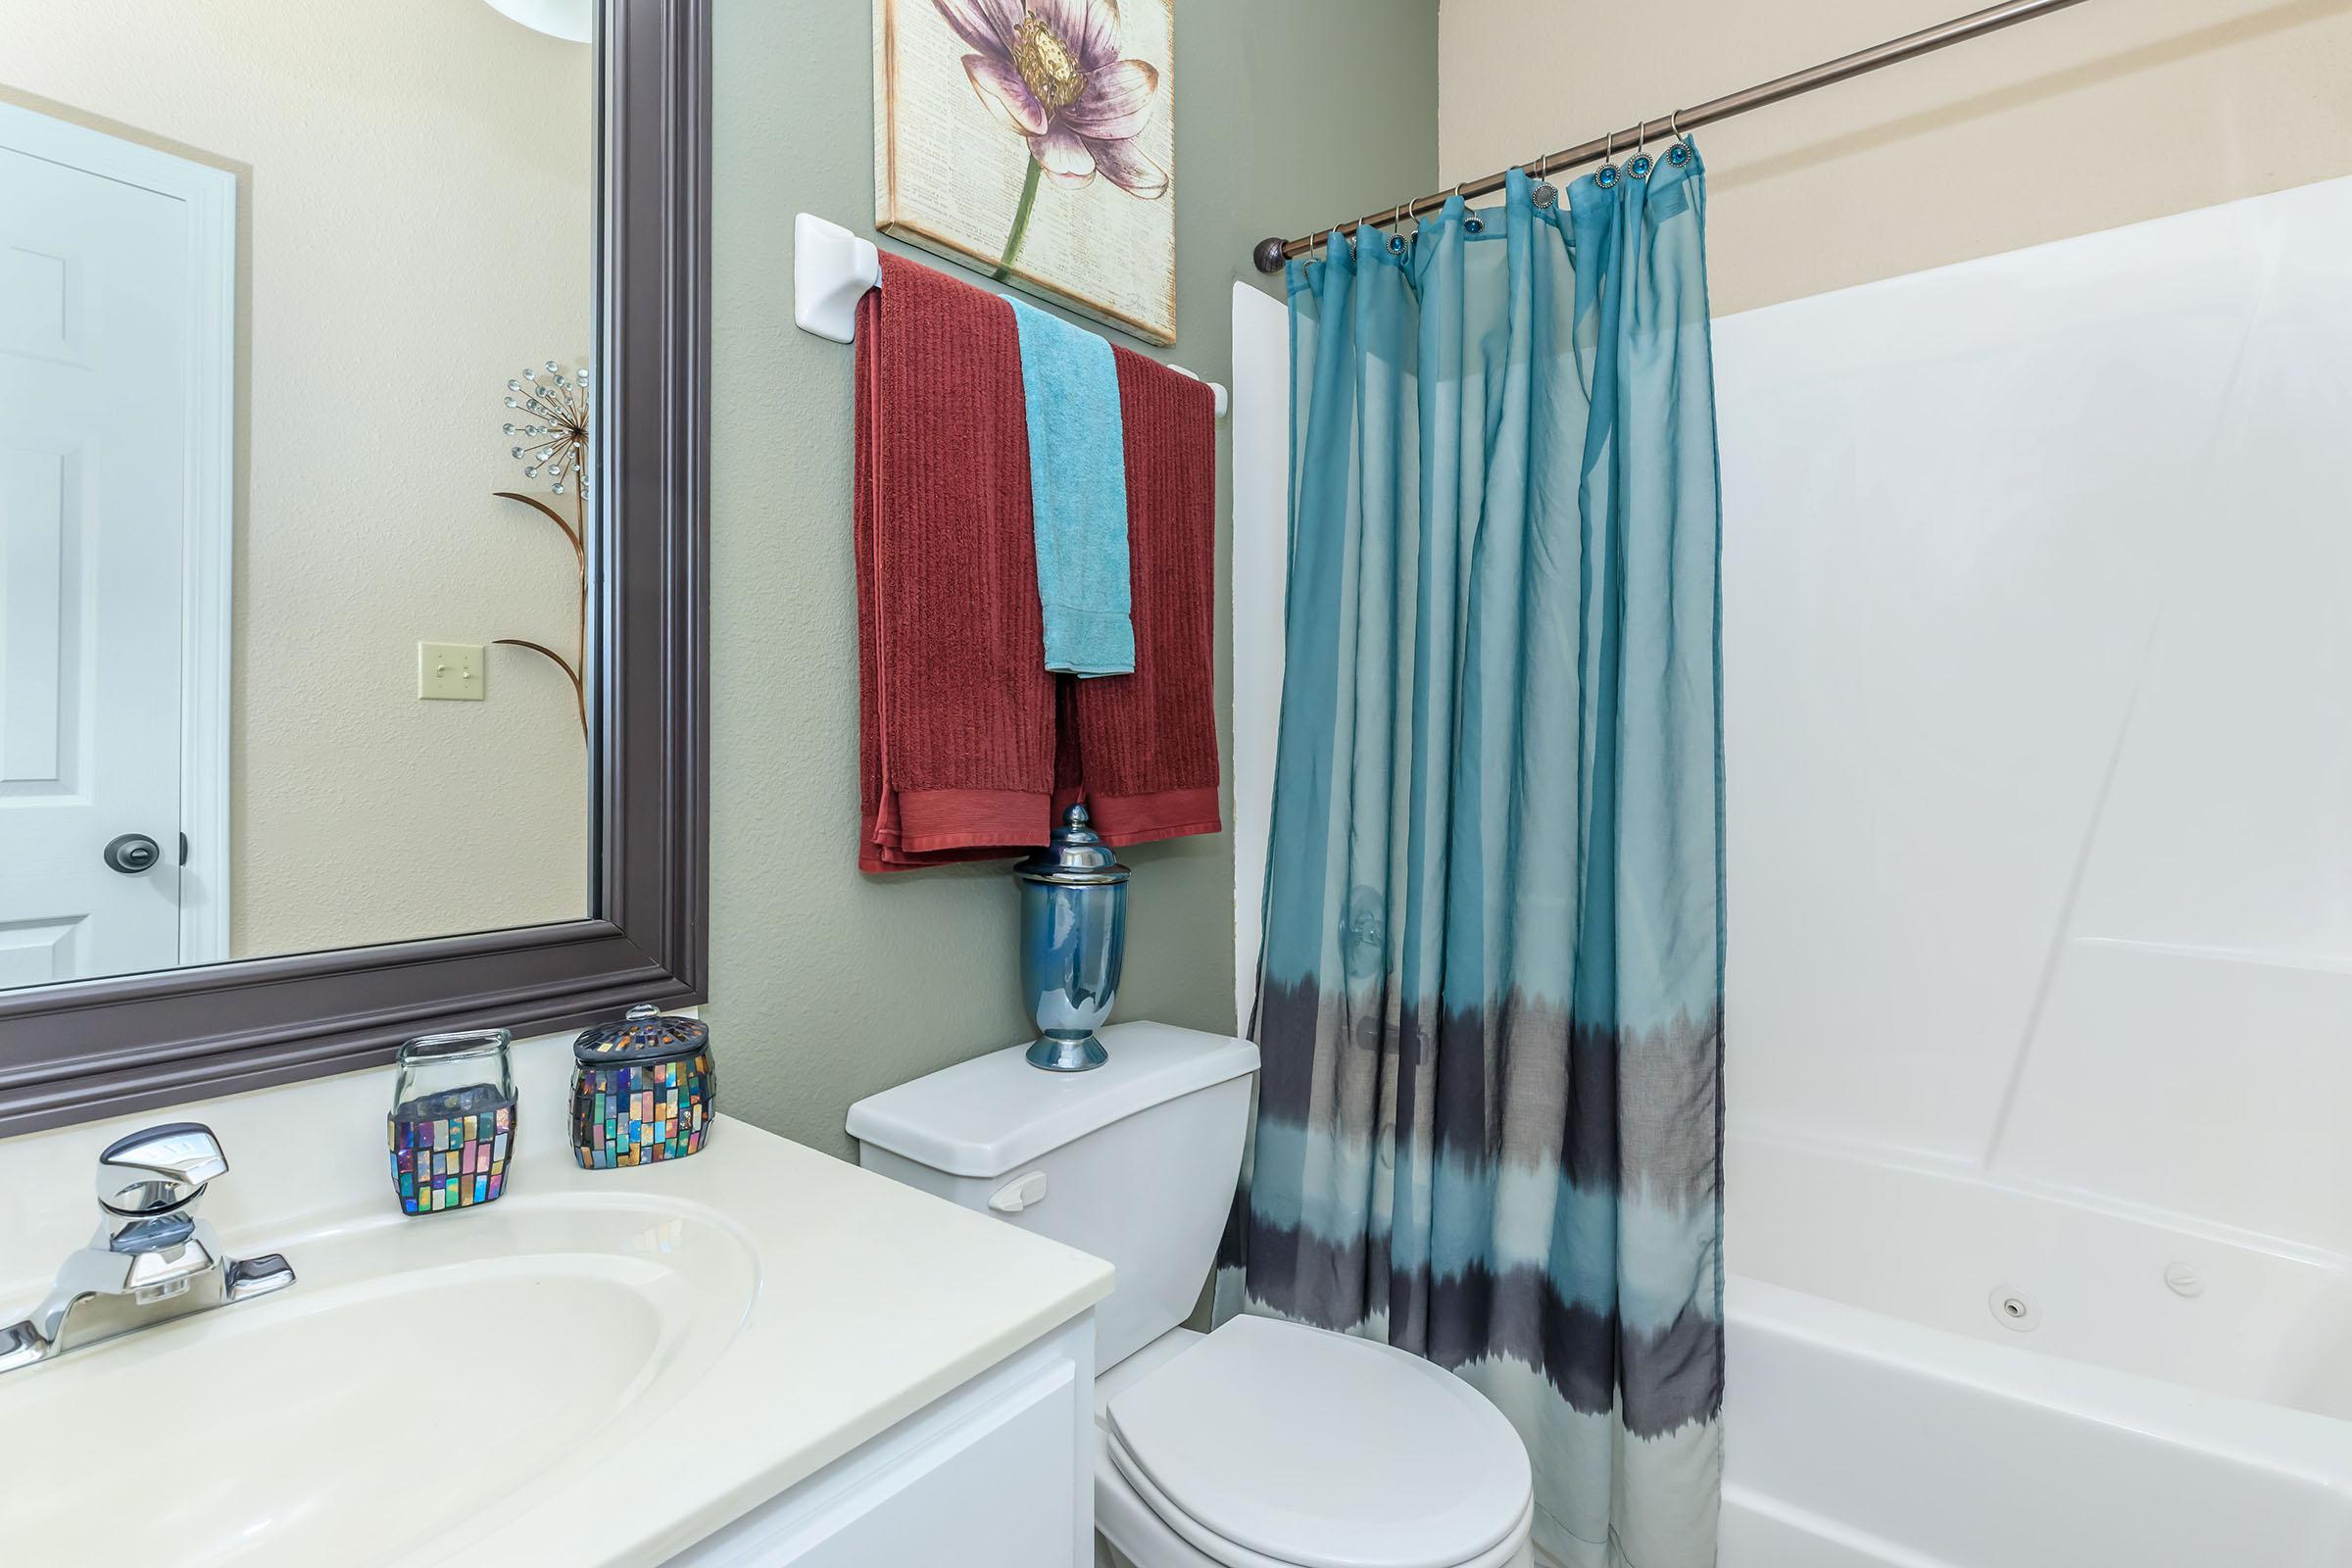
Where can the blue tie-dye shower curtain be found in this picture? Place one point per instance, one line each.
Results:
(1490, 1118)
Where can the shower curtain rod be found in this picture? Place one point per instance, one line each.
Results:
(1270, 254)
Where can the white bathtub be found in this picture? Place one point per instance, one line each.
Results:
(1880, 1412)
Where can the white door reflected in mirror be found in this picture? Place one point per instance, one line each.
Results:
(115, 286)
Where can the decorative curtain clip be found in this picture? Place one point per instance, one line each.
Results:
(1473, 224)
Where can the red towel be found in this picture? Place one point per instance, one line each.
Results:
(1146, 743)
(955, 707)
(968, 746)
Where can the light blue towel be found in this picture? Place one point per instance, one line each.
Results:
(1078, 494)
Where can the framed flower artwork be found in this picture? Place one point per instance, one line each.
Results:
(1035, 140)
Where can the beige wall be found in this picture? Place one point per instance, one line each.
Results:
(414, 194)
(2114, 112)
(828, 985)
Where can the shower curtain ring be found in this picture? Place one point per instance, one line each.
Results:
(1606, 175)
(1546, 192)
(1641, 167)
(1680, 153)
(1471, 223)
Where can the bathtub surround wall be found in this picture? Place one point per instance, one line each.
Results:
(828, 985)
(1261, 563)
(2034, 578)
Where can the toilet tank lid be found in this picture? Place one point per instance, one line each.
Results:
(985, 1116)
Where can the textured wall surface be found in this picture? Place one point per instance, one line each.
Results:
(828, 985)
(412, 191)
(2100, 116)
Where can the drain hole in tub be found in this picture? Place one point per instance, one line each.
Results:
(2014, 1308)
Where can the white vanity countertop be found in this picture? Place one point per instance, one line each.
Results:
(873, 1299)
(702, 1335)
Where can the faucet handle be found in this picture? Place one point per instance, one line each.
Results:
(158, 1170)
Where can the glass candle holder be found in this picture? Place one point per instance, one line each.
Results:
(451, 1126)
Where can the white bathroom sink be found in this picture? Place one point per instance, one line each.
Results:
(599, 1369)
(420, 1373)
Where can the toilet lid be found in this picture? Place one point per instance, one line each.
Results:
(1324, 1451)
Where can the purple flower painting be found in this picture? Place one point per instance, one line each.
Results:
(1051, 72)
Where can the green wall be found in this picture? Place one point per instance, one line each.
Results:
(828, 985)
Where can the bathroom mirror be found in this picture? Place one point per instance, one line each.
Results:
(352, 677)
(271, 680)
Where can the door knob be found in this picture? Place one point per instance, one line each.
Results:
(131, 854)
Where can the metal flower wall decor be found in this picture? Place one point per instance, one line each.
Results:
(552, 443)
(1035, 140)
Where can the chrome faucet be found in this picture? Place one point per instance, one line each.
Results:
(152, 1260)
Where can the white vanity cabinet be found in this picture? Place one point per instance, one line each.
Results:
(996, 1474)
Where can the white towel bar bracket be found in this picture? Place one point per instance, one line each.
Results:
(831, 270)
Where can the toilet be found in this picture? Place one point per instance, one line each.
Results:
(1264, 1444)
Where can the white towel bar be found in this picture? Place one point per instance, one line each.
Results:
(831, 270)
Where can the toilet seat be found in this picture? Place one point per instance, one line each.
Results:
(1183, 1543)
(1270, 1445)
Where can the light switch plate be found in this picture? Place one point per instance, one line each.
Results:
(450, 672)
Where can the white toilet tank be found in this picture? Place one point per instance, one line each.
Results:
(1135, 1161)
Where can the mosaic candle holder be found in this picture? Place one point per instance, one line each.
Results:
(642, 1091)
(452, 1125)
(450, 1151)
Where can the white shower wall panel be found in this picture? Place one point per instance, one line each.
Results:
(2039, 687)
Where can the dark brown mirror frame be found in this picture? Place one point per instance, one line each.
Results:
(98, 1047)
